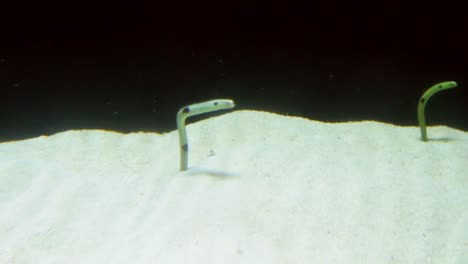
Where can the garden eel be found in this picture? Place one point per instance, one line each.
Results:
(422, 104)
(191, 110)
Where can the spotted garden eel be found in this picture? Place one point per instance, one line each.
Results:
(191, 110)
(422, 104)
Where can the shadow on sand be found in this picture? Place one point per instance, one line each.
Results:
(195, 171)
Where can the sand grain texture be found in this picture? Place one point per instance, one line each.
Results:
(261, 188)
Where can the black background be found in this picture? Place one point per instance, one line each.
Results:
(128, 67)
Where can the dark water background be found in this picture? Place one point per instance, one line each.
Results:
(129, 67)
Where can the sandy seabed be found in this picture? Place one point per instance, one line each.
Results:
(260, 188)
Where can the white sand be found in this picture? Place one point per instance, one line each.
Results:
(261, 188)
